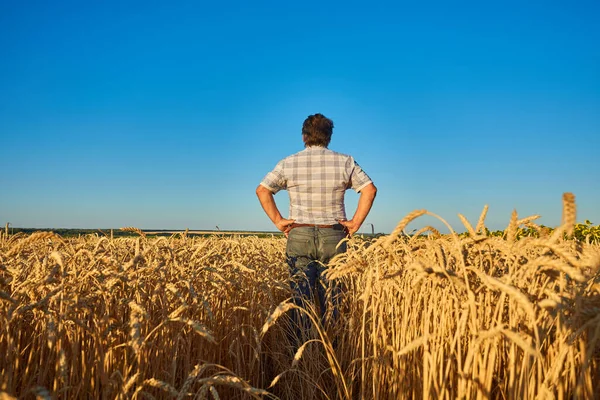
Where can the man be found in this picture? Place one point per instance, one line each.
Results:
(316, 179)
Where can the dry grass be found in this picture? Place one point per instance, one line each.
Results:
(180, 317)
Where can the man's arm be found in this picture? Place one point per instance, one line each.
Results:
(265, 196)
(365, 201)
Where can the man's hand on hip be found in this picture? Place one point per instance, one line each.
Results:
(351, 226)
(265, 196)
(365, 201)
(285, 225)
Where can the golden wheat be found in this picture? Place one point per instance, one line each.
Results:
(425, 316)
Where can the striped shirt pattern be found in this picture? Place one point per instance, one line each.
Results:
(316, 179)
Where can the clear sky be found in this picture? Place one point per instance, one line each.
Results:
(168, 114)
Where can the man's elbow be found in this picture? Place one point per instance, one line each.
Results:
(370, 190)
(261, 191)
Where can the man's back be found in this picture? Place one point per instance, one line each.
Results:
(316, 179)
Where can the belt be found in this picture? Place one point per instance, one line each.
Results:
(295, 225)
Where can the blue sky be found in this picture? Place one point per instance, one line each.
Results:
(167, 116)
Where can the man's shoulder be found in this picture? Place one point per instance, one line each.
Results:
(295, 155)
(338, 154)
(343, 157)
(328, 152)
(310, 152)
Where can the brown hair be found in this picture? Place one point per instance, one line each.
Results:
(317, 130)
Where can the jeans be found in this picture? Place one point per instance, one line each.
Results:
(308, 251)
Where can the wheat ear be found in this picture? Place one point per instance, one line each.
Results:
(569, 215)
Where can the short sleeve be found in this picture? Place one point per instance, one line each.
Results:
(358, 178)
(275, 180)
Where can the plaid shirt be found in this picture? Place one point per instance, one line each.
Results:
(316, 179)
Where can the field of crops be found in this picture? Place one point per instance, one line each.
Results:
(423, 316)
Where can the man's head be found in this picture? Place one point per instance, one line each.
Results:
(317, 130)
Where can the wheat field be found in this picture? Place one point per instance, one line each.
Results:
(421, 316)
